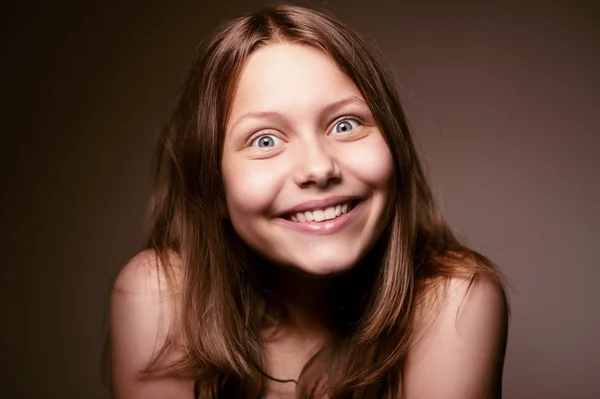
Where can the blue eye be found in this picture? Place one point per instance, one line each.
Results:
(265, 141)
(344, 126)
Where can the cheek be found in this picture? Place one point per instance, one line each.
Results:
(371, 161)
(250, 187)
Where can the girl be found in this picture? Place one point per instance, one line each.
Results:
(295, 248)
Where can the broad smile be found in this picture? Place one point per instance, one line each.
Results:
(326, 219)
(321, 214)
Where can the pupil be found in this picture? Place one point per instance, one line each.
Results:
(265, 142)
(343, 127)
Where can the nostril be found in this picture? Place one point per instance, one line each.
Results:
(320, 183)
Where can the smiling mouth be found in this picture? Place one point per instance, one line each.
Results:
(321, 214)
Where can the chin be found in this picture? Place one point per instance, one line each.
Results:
(324, 267)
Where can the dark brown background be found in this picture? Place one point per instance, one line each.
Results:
(503, 98)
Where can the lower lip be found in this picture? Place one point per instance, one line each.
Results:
(326, 226)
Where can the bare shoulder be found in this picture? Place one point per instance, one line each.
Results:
(143, 317)
(482, 296)
(146, 274)
(463, 341)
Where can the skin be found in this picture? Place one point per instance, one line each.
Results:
(461, 350)
(304, 100)
(299, 130)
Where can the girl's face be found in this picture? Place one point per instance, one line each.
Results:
(306, 169)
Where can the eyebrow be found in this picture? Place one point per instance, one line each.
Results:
(327, 109)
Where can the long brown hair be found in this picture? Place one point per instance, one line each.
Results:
(224, 296)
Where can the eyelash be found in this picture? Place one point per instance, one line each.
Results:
(253, 138)
(267, 133)
(348, 118)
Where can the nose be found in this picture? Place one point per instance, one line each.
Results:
(316, 167)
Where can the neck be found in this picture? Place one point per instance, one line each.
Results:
(307, 303)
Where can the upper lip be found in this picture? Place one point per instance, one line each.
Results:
(320, 203)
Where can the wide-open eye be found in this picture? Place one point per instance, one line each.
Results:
(266, 141)
(344, 126)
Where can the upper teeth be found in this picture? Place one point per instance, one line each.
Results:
(321, 214)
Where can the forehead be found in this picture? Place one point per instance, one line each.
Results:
(287, 76)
